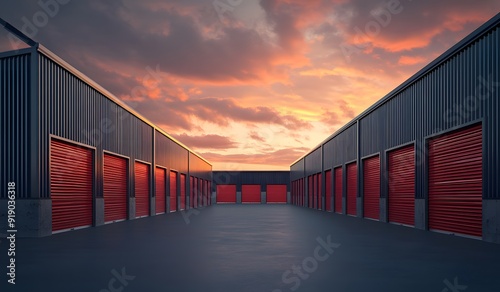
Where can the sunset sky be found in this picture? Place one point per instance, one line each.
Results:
(250, 84)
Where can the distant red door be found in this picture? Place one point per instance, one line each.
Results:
(338, 190)
(141, 189)
(352, 187)
(161, 190)
(191, 192)
(173, 191)
(311, 192)
(183, 192)
(226, 194)
(319, 191)
(371, 187)
(276, 194)
(328, 190)
(250, 194)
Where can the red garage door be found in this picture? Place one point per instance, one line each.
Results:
(276, 194)
(328, 190)
(191, 192)
(338, 190)
(71, 187)
(311, 192)
(141, 189)
(195, 192)
(455, 182)
(115, 188)
(200, 192)
(352, 187)
(161, 190)
(371, 187)
(209, 195)
(402, 186)
(183, 191)
(205, 188)
(319, 191)
(173, 191)
(203, 192)
(250, 194)
(226, 194)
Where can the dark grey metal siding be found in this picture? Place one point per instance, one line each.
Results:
(199, 168)
(342, 148)
(262, 178)
(459, 88)
(15, 91)
(72, 109)
(297, 170)
(171, 154)
(313, 162)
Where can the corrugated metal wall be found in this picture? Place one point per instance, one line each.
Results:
(313, 162)
(199, 168)
(458, 89)
(15, 91)
(262, 178)
(171, 154)
(71, 109)
(342, 148)
(297, 170)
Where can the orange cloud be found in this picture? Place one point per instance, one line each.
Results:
(411, 60)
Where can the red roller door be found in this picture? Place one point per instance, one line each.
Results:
(402, 186)
(352, 187)
(315, 191)
(141, 189)
(161, 190)
(311, 192)
(226, 194)
(115, 188)
(371, 187)
(205, 190)
(71, 187)
(191, 192)
(183, 192)
(173, 191)
(328, 190)
(195, 192)
(338, 190)
(209, 195)
(250, 193)
(276, 194)
(200, 192)
(319, 191)
(455, 182)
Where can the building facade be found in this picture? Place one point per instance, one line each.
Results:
(426, 155)
(80, 157)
